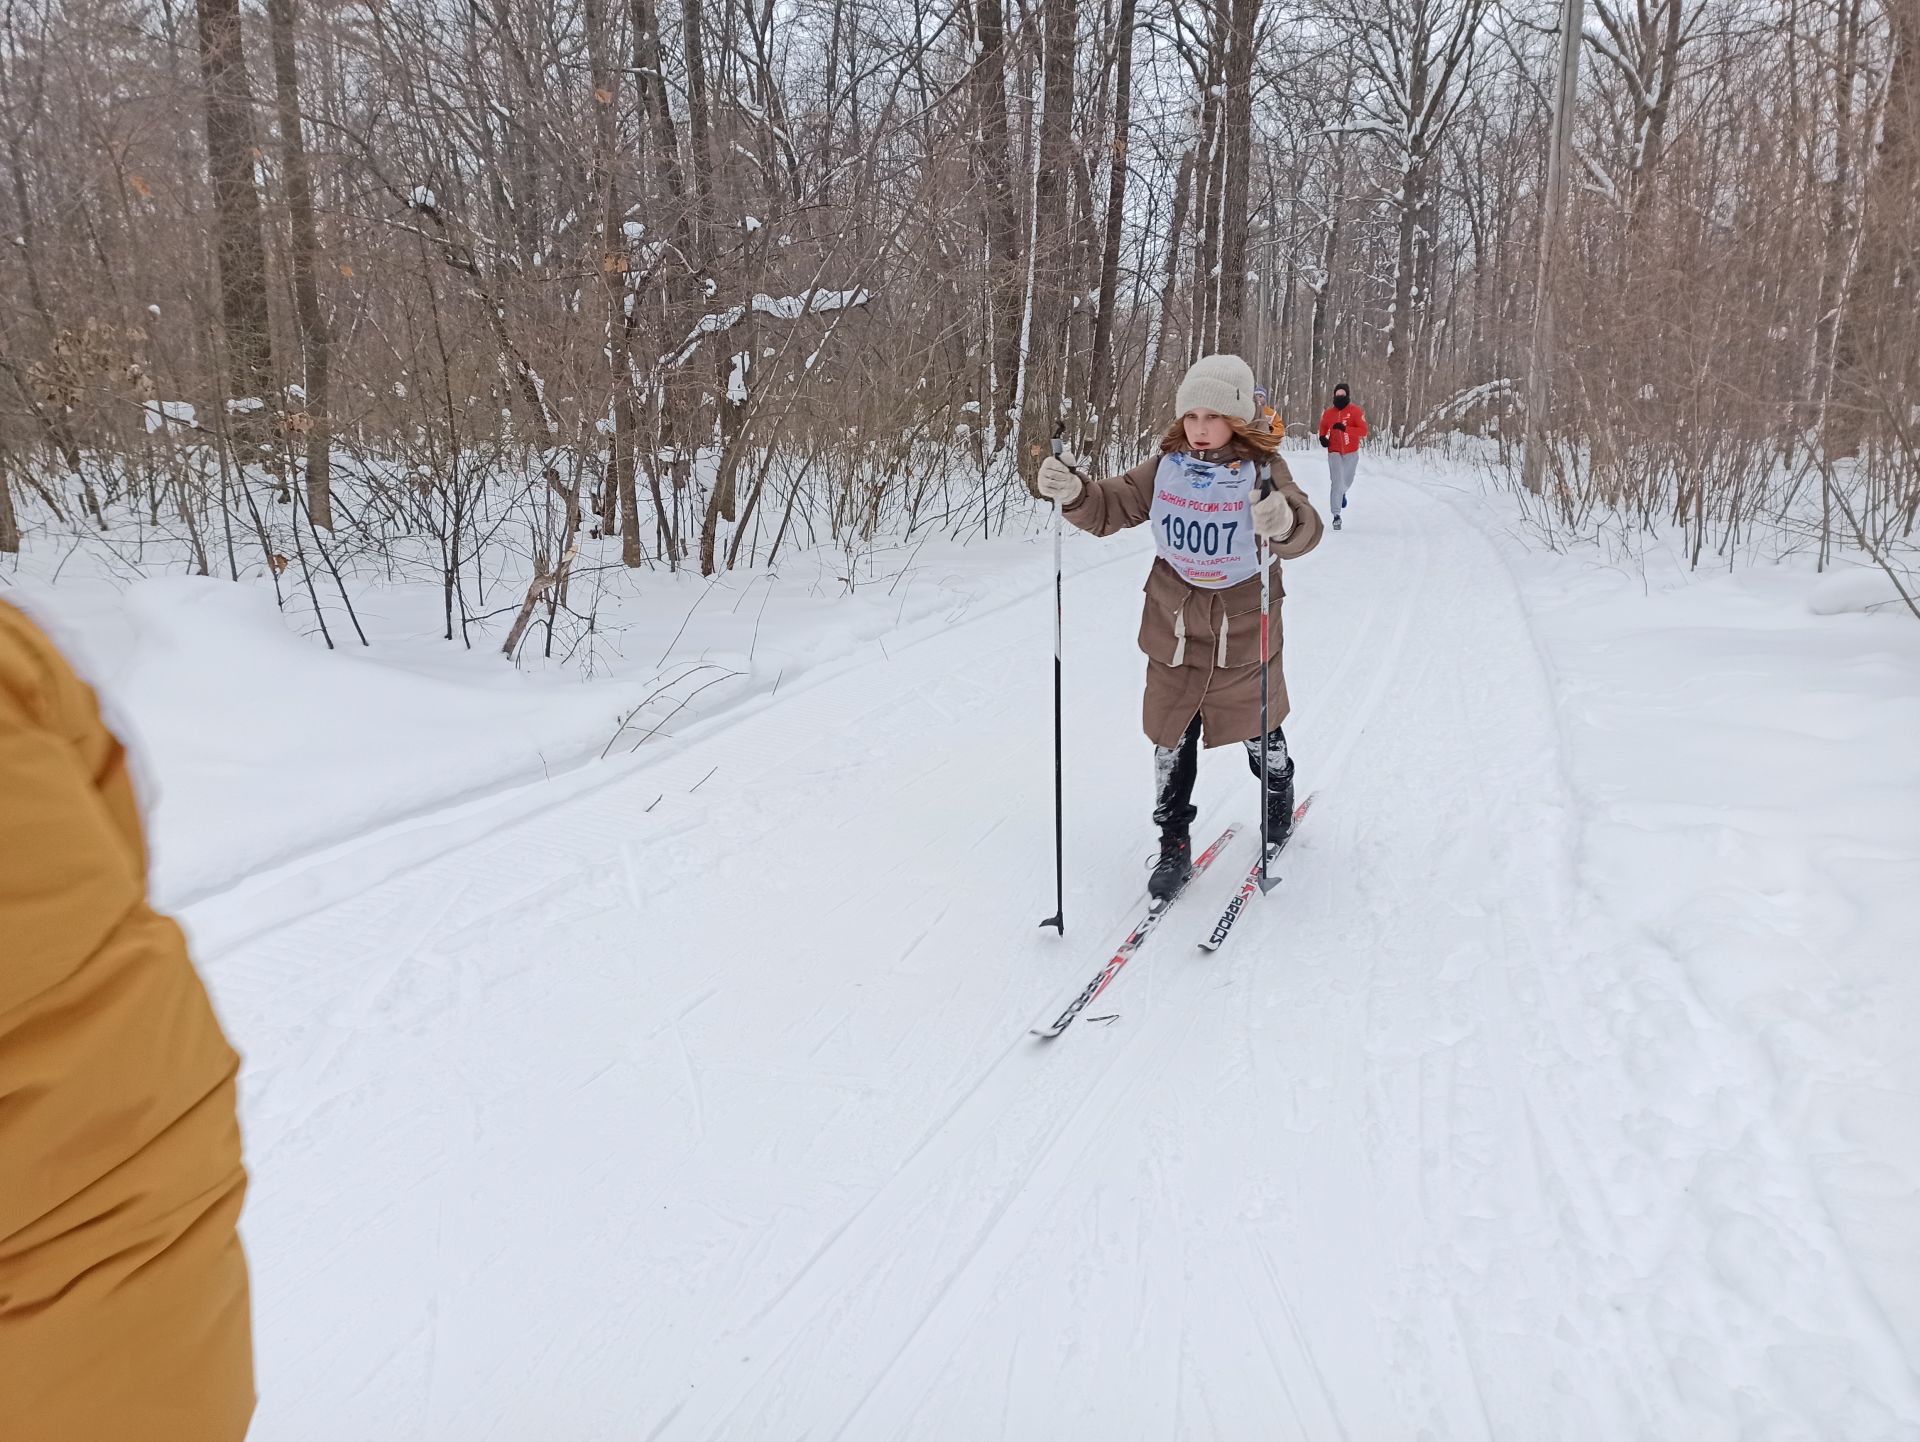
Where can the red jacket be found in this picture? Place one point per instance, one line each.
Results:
(1348, 441)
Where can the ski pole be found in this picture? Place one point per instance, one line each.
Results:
(1058, 921)
(1265, 474)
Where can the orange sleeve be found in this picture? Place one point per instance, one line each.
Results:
(68, 878)
(123, 1291)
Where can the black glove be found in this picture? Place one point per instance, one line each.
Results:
(1326, 444)
(1339, 425)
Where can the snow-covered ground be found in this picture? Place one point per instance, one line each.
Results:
(261, 751)
(1746, 748)
(1567, 1089)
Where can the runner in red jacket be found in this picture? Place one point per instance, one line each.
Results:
(1342, 427)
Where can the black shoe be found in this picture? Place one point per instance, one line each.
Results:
(1174, 866)
(1280, 809)
(1336, 520)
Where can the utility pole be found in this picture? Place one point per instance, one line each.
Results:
(1533, 458)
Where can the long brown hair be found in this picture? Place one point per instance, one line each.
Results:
(1247, 444)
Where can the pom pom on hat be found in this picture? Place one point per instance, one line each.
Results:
(1222, 383)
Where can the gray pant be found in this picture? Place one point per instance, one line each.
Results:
(1340, 476)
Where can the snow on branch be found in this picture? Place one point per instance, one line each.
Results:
(1365, 127)
(786, 307)
(1601, 183)
(1459, 405)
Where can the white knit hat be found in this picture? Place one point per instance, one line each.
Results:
(1222, 383)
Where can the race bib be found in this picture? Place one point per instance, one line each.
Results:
(1202, 521)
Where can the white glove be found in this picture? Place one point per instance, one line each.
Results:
(1273, 518)
(1057, 482)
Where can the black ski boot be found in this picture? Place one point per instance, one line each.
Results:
(1174, 866)
(1280, 807)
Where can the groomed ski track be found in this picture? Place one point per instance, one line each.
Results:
(703, 1108)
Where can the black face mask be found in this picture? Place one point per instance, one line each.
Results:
(1339, 400)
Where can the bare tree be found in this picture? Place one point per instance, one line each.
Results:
(1642, 49)
(1049, 274)
(809, 268)
(1565, 86)
(1100, 370)
(994, 159)
(1419, 56)
(231, 149)
(305, 263)
(1874, 348)
(1235, 201)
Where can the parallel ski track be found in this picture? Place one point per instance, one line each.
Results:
(1334, 716)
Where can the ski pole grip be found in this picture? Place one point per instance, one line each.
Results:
(1060, 447)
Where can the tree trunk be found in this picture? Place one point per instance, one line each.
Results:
(9, 522)
(1002, 212)
(682, 297)
(1654, 138)
(1236, 181)
(614, 269)
(1206, 290)
(1539, 361)
(1100, 387)
(1084, 265)
(723, 504)
(1318, 381)
(59, 433)
(1170, 284)
(697, 112)
(231, 148)
(1290, 327)
(776, 131)
(1837, 245)
(1400, 319)
(650, 76)
(27, 238)
(1049, 268)
(1874, 349)
(305, 257)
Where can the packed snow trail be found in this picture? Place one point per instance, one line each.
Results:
(704, 1107)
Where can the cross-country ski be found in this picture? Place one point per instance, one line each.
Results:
(1149, 919)
(1250, 885)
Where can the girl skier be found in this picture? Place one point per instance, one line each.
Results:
(1264, 415)
(1342, 426)
(1201, 627)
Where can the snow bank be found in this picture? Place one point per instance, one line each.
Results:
(254, 744)
(1747, 749)
(1755, 777)
(1858, 588)
(257, 748)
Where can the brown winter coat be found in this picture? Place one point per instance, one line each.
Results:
(1203, 647)
(123, 1292)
